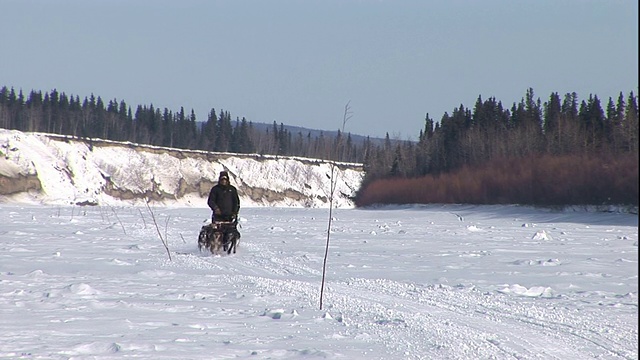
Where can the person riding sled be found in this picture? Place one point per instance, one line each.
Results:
(225, 205)
(223, 200)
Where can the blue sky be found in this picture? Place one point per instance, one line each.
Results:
(299, 62)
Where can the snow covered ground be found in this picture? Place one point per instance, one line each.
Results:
(429, 282)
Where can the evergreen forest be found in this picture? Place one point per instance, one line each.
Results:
(563, 151)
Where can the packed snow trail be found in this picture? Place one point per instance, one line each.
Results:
(445, 282)
(416, 321)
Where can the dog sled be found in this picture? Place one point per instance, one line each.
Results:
(219, 237)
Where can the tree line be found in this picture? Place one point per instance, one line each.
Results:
(489, 133)
(462, 157)
(58, 113)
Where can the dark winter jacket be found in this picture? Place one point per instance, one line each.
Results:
(224, 202)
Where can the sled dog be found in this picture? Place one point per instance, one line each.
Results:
(219, 237)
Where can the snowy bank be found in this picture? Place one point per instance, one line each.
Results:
(55, 169)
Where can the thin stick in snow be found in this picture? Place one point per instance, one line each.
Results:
(332, 187)
(164, 241)
(118, 218)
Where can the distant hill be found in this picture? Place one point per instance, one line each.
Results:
(357, 139)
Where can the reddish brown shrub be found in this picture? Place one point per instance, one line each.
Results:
(543, 180)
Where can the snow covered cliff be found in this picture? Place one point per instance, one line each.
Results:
(55, 169)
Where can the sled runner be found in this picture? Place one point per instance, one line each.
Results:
(219, 236)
